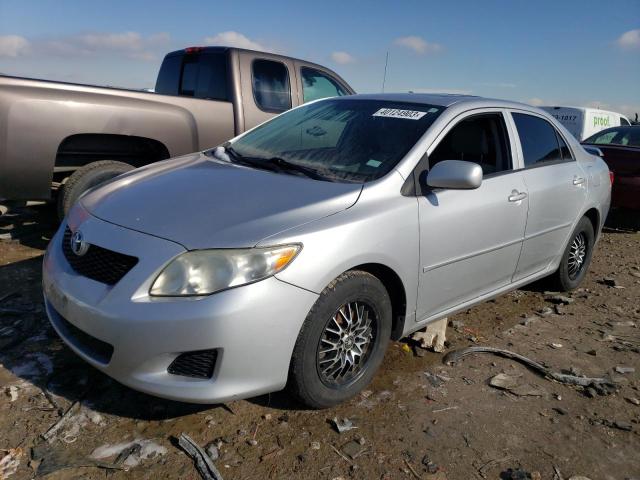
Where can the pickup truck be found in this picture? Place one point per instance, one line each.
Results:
(60, 139)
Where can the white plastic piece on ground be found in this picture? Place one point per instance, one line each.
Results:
(148, 449)
(10, 462)
(434, 336)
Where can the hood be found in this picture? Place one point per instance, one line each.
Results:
(200, 202)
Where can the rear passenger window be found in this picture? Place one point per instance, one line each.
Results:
(538, 139)
(481, 139)
(316, 84)
(271, 87)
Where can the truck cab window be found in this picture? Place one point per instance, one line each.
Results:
(205, 76)
(169, 76)
(481, 139)
(271, 87)
(316, 84)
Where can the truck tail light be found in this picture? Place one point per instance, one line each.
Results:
(611, 176)
(193, 49)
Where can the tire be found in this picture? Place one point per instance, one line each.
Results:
(314, 377)
(567, 277)
(87, 177)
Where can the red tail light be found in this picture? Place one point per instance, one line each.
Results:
(611, 176)
(193, 49)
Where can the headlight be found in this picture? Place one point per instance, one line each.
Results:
(203, 272)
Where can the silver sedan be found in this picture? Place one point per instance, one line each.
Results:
(292, 254)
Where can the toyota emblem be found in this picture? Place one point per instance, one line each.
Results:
(78, 245)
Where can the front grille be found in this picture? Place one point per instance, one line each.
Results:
(99, 264)
(92, 347)
(198, 364)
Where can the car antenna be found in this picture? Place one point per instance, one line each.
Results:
(384, 78)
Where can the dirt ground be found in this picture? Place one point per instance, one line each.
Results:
(419, 419)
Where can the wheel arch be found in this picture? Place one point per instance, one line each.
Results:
(397, 293)
(594, 217)
(78, 150)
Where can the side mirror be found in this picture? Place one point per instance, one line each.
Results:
(455, 174)
(593, 151)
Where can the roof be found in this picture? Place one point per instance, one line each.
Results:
(441, 99)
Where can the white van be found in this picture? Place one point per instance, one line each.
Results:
(584, 122)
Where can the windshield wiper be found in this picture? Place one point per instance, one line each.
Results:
(286, 165)
(274, 164)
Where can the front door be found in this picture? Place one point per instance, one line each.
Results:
(470, 240)
(557, 187)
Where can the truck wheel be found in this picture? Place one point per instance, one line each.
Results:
(576, 258)
(342, 341)
(86, 177)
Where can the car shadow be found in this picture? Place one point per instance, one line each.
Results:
(32, 351)
(622, 221)
(32, 226)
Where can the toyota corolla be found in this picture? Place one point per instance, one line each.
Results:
(292, 254)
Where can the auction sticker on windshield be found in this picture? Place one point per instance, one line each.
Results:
(396, 113)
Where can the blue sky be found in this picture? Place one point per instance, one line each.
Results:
(543, 52)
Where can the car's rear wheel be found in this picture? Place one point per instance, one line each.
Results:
(342, 341)
(576, 258)
(87, 177)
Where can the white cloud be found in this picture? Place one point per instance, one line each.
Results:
(418, 44)
(13, 46)
(630, 39)
(499, 85)
(451, 91)
(342, 58)
(536, 102)
(235, 39)
(132, 45)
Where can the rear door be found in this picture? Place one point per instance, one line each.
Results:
(557, 187)
(269, 86)
(470, 240)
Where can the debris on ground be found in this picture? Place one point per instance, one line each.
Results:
(9, 462)
(436, 380)
(603, 386)
(519, 474)
(203, 463)
(353, 449)
(513, 384)
(129, 454)
(624, 370)
(343, 425)
(68, 427)
(559, 299)
(49, 459)
(433, 336)
(12, 392)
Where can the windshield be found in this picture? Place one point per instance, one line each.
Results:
(340, 140)
(618, 136)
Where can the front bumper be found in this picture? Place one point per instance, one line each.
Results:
(253, 328)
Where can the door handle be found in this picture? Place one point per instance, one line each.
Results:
(578, 180)
(516, 196)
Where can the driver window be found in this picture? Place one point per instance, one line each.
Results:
(481, 139)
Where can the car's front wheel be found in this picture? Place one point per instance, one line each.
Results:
(576, 258)
(342, 341)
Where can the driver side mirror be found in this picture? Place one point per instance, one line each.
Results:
(455, 174)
